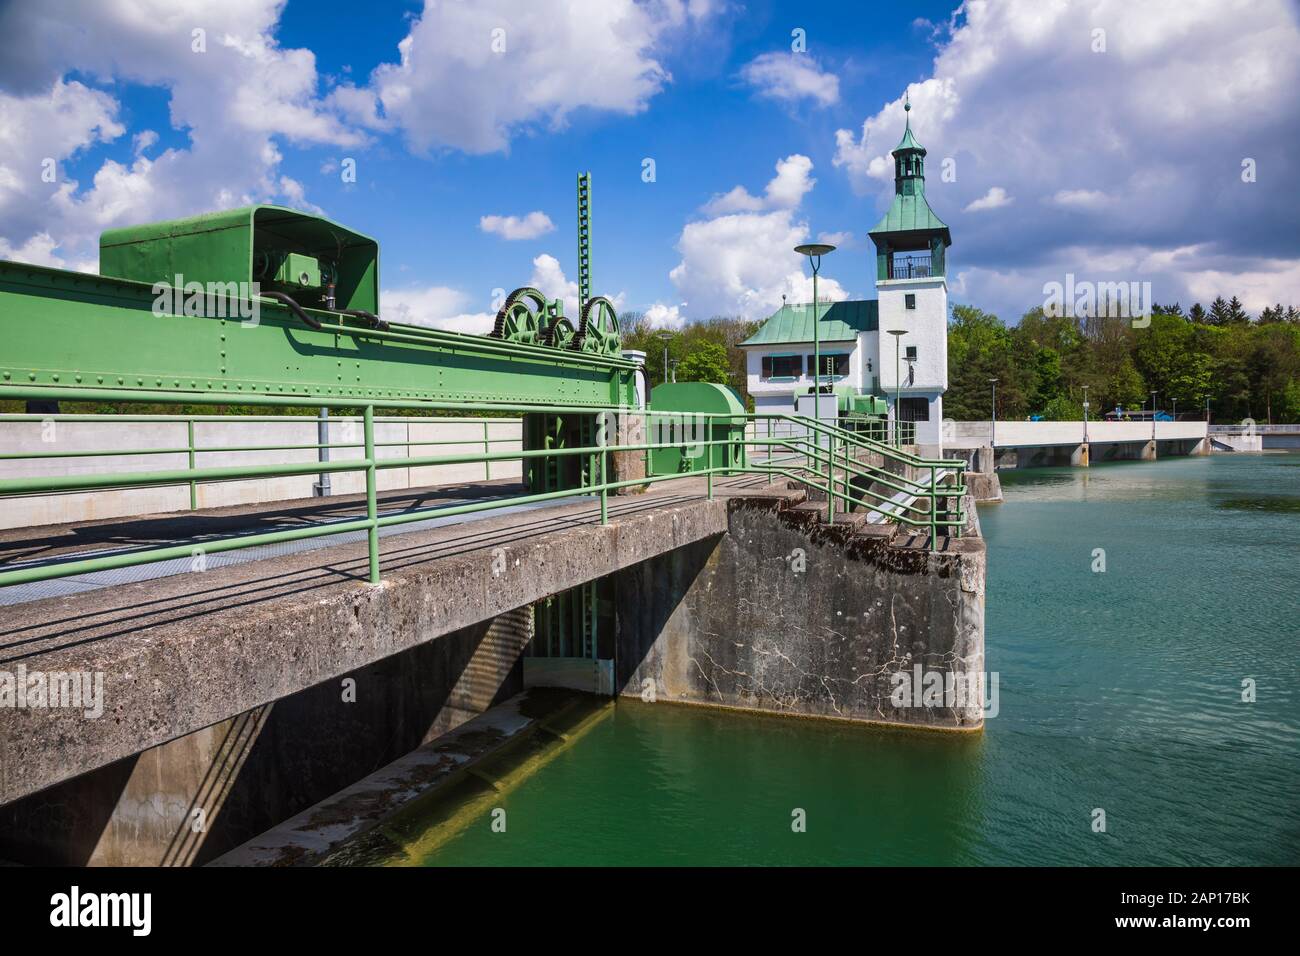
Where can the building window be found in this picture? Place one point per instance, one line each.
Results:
(913, 409)
(782, 366)
(833, 363)
(909, 300)
(910, 354)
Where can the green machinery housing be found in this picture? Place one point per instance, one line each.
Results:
(266, 301)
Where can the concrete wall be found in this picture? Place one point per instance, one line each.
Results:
(788, 615)
(110, 433)
(193, 798)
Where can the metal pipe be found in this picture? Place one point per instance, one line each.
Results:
(372, 502)
(322, 485)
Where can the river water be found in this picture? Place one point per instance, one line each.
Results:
(1118, 691)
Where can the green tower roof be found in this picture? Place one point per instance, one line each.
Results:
(908, 141)
(909, 212)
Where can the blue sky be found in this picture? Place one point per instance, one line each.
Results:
(1111, 157)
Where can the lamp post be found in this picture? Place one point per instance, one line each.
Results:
(665, 337)
(814, 251)
(1153, 414)
(1085, 414)
(993, 407)
(898, 384)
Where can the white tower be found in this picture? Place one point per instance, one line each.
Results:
(912, 289)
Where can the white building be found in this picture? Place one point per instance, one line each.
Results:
(858, 352)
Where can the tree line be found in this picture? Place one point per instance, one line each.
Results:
(1244, 367)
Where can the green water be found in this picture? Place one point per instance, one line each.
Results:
(1119, 690)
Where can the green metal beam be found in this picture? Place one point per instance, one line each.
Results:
(69, 330)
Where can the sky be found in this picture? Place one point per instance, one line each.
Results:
(1112, 140)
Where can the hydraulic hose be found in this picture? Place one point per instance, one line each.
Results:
(295, 308)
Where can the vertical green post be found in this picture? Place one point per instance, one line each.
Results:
(770, 446)
(602, 425)
(194, 491)
(848, 481)
(487, 448)
(372, 501)
(934, 514)
(830, 484)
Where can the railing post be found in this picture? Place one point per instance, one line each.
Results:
(601, 435)
(487, 449)
(934, 514)
(194, 491)
(372, 499)
(708, 452)
(830, 482)
(770, 446)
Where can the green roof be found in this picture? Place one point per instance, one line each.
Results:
(910, 214)
(908, 142)
(839, 322)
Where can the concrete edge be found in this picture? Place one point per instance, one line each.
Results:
(324, 828)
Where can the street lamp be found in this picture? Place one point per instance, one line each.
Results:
(898, 383)
(1153, 414)
(993, 431)
(1085, 414)
(814, 251)
(665, 336)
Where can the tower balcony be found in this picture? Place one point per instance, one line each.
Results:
(916, 266)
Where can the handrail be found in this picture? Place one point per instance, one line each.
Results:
(826, 466)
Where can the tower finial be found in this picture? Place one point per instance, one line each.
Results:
(907, 107)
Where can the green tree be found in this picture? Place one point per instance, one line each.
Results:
(706, 362)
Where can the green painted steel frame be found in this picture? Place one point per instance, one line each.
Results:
(66, 330)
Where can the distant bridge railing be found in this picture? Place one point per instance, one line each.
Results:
(1022, 434)
(1254, 429)
(814, 454)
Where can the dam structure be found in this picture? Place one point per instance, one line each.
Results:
(212, 624)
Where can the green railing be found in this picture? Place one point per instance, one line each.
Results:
(192, 449)
(814, 454)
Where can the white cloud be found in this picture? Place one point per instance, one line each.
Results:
(549, 279)
(785, 190)
(235, 101)
(531, 226)
(1147, 138)
(741, 260)
(1080, 198)
(435, 306)
(791, 78)
(995, 198)
(470, 75)
(661, 316)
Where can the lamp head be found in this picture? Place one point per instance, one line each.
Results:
(814, 249)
